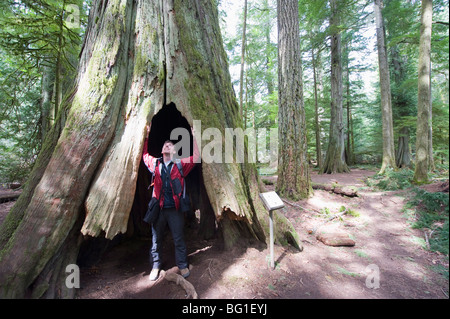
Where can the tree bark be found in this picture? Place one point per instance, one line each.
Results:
(293, 172)
(316, 111)
(388, 160)
(403, 155)
(138, 57)
(48, 79)
(244, 43)
(335, 157)
(424, 94)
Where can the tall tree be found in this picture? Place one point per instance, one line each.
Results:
(316, 107)
(424, 94)
(139, 58)
(293, 171)
(388, 160)
(335, 158)
(244, 43)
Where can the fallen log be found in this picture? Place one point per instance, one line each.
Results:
(336, 239)
(9, 197)
(337, 189)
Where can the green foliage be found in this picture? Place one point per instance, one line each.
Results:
(36, 39)
(392, 180)
(432, 213)
(19, 119)
(361, 87)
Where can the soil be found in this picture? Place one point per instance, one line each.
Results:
(386, 246)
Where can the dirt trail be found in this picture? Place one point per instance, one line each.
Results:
(387, 260)
(385, 245)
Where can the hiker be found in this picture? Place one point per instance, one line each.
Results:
(170, 181)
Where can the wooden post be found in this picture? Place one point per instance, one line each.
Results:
(272, 262)
(272, 202)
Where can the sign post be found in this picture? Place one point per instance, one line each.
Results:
(272, 202)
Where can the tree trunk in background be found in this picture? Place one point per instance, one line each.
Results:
(403, 155)
(48, 78)
(401, 105)
(424, 94)
(350, 156)
(388, 160)
(431, 165)
(335, 158)
(244, 42)
(138, 56)
(316, 110)
(267, 29)
(293, 171)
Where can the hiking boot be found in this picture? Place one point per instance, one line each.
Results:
(154, 274)
(185, 272)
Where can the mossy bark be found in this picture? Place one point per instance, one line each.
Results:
(424, 95)
(138, 56)
(40, 224)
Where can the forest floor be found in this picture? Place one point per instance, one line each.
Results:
(384, 242)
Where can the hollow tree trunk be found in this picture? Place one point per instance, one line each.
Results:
(138, 56)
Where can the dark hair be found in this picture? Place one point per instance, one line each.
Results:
(168, 141)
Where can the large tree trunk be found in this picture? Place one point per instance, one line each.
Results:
(388, 160)
(293, 170)
(403, 155)
(424, 94)
(335, 159)
(139, 58)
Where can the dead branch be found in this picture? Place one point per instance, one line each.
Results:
(336, 239)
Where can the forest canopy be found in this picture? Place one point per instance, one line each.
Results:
(361, 85)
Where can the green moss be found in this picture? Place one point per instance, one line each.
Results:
(285, 232)
(142, 60)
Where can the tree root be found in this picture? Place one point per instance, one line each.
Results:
(179, 280)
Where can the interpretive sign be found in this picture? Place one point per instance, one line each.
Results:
(271, 200)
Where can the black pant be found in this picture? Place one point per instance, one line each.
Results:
(175, 220)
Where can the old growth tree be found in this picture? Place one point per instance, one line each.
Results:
(139, 58)
(293, 171)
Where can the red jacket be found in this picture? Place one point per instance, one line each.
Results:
(177, 181)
